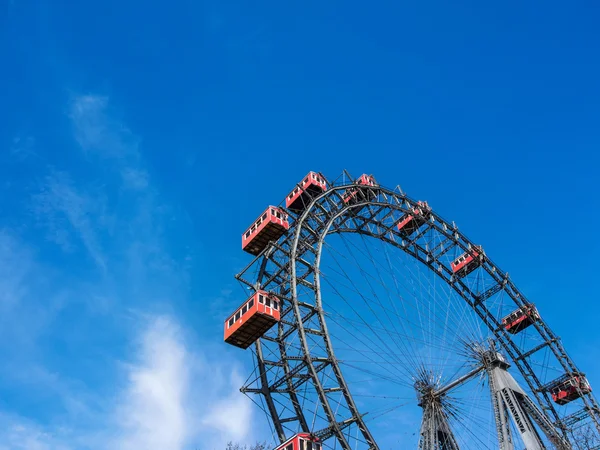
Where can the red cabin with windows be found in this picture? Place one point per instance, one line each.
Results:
(520, 319)
(252, 319)
(312, 184)
(569, 388)
(467, 262)
(301, 441)
(268, 227)
(413, 221)
(353, 195)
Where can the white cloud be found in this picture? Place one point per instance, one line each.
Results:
(153, 413)
(178, 397)
(229, 418)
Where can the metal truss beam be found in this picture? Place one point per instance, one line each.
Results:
(435, 431)
(508, 397)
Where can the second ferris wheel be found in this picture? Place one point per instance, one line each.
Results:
(374, 323)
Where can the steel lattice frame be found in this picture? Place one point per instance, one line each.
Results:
(293, 262)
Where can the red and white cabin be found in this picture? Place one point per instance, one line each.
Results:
(270, 226)
(252, 319)
(520, 319)
(467, 262)
(312, 184)
(412, 222)
(352, 194)
(301, 441)
(570, 388)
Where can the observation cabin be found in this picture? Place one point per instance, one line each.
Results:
(270, 226)
(313, 184)
(468, 261)
(520, 319)
(354, 194)
(413, 221)
(570, 387)
(252, 319)
(301, 441)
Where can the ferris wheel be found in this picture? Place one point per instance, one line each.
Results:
(375, 323)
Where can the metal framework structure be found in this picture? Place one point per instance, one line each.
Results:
(435, 433)
(293, 264)
(509, 399)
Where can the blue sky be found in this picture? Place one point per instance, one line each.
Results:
(138, 141)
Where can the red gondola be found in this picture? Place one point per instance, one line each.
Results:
(312, 184)
(270, 226)
(252, 319)
(412, 222)
(569, 388)
(301, 441)
(467, 262)
(520, 319)
(352, 194)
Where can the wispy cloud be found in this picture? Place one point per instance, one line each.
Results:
(22, 281)
(14, 267)
(22, 147)
(17, 433)
(92, 207)
(97, 131)
(179, 396)
(100, 134)
(161, 388)
(174, 397)
(66, 210)
(229, 416)
(153, 411)
(135, 178)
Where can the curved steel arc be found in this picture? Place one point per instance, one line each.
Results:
(338, 373)
(324, 210)
(263, 372)
(334, 424)
(286, 370)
